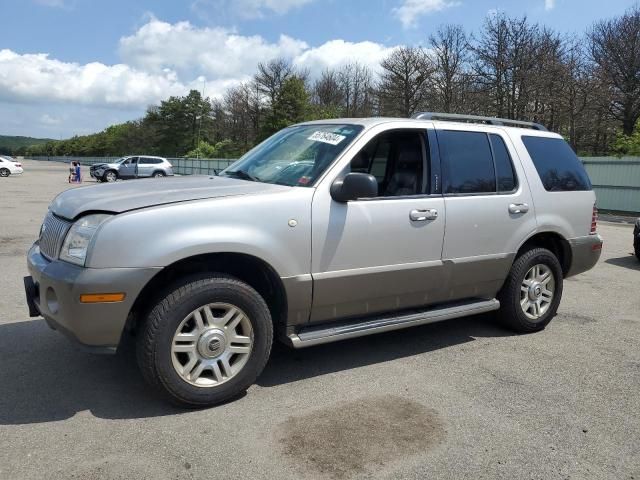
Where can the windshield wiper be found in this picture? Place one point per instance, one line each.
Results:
(243, 175)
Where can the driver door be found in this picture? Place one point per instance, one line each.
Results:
(381, 254)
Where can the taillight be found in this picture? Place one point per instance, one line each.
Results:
(594, 220)
(18, 165)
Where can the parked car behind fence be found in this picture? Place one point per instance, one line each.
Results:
(137, 166)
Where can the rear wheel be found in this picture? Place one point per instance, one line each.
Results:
(4, 172)
(110, 176)
(158, 174)
(206, 341)
(532, 292)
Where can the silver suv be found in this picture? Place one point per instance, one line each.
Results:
(138, 166)
(327, 230)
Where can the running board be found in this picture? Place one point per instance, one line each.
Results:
(360, 327)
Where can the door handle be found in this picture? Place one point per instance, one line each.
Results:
(423, 215)
(518, 208)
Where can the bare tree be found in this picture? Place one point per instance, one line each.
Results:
(449, 57)
(404, 80)
(490, 63)
(615, 49)
(326, 92)
(272, 75)
(356, 85)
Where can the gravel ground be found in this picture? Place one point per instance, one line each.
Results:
(460, 399)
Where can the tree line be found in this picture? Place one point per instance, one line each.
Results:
(587, 88)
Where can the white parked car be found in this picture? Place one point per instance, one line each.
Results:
(8, 166)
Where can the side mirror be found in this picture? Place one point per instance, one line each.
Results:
(354, 186)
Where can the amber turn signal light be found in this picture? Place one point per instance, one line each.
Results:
(101, 297)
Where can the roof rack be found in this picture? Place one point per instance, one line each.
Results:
(454, 117)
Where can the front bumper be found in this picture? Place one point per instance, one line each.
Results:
(585, 253)
(54, 290)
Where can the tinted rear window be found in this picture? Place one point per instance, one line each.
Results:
(504, 167)
(468, 166)
(149, 161)
(558, 167)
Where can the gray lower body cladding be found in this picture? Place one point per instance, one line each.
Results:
(56, 291)
(585, 253)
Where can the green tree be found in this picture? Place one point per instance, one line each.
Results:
(291, 106)
(628, 145)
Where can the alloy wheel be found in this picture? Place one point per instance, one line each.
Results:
(537, 291)
(212, 344)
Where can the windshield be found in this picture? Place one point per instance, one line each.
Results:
(295, 156)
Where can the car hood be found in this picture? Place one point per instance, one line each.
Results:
(135, 194)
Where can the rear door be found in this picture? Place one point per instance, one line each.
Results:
(146, 166)
(489, 209)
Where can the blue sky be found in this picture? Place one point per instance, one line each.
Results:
(75, 66)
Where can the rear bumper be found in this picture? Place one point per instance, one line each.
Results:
(585, 253)
(53, 290)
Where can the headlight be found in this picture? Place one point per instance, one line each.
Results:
(76, 243)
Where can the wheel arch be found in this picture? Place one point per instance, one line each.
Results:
(553, 242)
(104, 174)
(252, 270)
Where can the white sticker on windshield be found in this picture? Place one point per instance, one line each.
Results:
(327, 137)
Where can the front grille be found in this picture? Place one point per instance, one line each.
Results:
(53, 231)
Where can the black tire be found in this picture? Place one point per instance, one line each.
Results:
(511, 313)
(158, 174)
(4, 172)
(108, 177)
(156, 334)
(636, 239)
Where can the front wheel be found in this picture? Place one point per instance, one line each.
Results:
(206, 341)
(531, 294)
(4, 172)
(110, 176)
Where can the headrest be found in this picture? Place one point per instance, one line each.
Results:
(409, 155)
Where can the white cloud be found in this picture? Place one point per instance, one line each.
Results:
(36, 77)
(336, 53)
(246, 9)
(227, 57)
(410, 10)
(158, 60)
(549, 4)
(213, 52)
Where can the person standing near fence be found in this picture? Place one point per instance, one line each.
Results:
(78, 173)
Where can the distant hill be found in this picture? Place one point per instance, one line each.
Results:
(10, 144)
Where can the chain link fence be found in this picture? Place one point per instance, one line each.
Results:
(181, 166)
